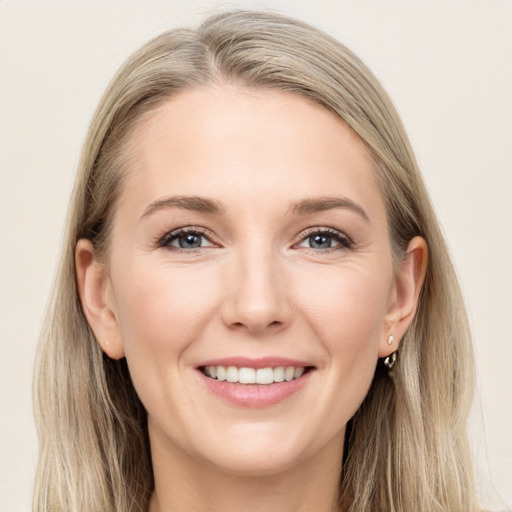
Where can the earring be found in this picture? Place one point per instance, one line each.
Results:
(391, 340)
(390, 361)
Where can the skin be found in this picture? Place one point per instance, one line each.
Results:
(255, 287)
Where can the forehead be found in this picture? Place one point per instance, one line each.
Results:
(246, 144)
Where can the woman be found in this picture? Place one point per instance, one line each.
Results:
(250, 245)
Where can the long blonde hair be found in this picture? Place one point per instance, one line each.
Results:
(406, 448)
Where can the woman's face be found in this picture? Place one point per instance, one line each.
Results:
(250, 233)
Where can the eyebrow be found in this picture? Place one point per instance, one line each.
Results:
(198, 204)
(322, 204)
(205, 205)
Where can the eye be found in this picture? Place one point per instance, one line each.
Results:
(325, 239)
(186, 239)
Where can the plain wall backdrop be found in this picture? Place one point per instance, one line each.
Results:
(447, 66)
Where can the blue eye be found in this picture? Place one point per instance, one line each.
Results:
(325, 239)
(319, 241)
(186, 239)
(189, 241)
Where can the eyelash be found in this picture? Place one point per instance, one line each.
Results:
(168, 238)
(343, 240)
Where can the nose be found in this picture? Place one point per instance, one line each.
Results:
(257, 299)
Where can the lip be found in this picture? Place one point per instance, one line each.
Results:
(255, 395)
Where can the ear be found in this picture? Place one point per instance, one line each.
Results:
(409, 279)
(97, 298)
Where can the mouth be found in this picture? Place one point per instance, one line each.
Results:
(248, 375)
(255, 383)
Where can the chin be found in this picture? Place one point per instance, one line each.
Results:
(250, 464)
(266, 450)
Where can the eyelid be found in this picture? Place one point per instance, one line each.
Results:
(167, 238)
(345, 242)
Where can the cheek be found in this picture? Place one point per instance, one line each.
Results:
(162, 310)
(347, 309)
(349, 319)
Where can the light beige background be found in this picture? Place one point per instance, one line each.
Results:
(448, 67)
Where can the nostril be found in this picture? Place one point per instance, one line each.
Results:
(242, 324)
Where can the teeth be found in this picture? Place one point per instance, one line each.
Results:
(279, 374)
(289, 373)
(246, 375)
(264, 376)
(232, 374)
(298, 373)
(221, 373)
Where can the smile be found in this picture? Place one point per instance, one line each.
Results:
(247, 375)
(255, 382)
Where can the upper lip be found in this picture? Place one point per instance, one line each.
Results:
(259, 362)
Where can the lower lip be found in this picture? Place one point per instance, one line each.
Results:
(255, 395)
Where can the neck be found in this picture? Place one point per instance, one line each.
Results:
(184, 483)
